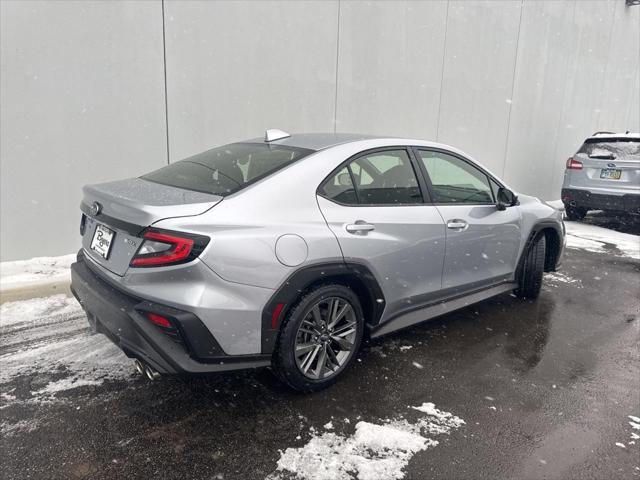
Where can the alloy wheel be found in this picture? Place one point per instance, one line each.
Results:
(326, 338)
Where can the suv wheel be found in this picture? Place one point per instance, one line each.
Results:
(575, 213)
(530, 281)
(320, 338)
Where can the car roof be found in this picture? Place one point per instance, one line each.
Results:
(318, 141)
(612, 135)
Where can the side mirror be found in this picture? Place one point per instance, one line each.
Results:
(506, 198)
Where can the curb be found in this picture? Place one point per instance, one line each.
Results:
(35, 290)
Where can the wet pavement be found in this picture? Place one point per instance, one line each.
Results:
(545, 389)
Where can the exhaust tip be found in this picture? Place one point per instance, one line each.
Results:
(151, 373)
(139, 366)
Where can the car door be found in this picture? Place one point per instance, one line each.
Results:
(482, 242)
(375, 206)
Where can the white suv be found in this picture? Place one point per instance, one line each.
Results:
(603, 175)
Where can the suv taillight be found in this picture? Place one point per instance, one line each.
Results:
(573, 164)
(161, 248)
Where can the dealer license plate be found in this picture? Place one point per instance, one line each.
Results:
(102, 240)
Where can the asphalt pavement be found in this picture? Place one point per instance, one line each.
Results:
(545, 389)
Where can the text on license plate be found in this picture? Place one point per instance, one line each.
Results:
(102, 240)
(610, 173)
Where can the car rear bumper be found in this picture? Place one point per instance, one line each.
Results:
(584, 198)
(190, 348)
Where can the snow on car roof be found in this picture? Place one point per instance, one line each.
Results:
(606, 135)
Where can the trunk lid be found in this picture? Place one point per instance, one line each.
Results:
(126, 208)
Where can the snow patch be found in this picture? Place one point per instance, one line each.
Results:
(443, 418)
(602, 240)
(50, 338)
(557, 277)
(65, 384)
(373, 452)
(23, 426)
(37, 309)
(36, 270)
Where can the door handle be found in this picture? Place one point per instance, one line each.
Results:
(360, 226)
(457, 224)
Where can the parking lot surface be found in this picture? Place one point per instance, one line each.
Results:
(522, 390)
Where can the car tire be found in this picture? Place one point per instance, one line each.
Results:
(295, 336)
(532, 270)
(575, 213)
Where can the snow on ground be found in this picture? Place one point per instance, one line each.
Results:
(50, 338)
(375, 451)
(558, 277)
(37, 270)
(602, 240)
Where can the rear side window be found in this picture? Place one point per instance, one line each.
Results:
(380, 178)
(339, 188)
(622, 147)
(227, 169)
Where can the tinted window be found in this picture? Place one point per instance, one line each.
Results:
(454, 180)
(225, 170)
(339, 188)
(385, 178)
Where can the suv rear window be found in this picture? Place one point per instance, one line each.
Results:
(227, 169)
(621, 147)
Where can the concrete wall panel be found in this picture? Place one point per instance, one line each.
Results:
(517, 84)
(390, 67)
(237, 68)
(81, 102)
(590, 43)
(480, 54)
(620, 88)
(544, 51)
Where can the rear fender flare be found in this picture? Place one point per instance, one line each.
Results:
(352, 274)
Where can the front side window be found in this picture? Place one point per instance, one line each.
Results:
(225, 170)
(454, 180)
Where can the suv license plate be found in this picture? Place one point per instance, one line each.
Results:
(102, 240)
(610, 173)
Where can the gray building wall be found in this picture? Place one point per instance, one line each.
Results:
(517, 84)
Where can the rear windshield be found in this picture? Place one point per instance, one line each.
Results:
(227, 169)
(620, 147)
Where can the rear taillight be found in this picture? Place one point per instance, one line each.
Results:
(573, 164)
(161, 248)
